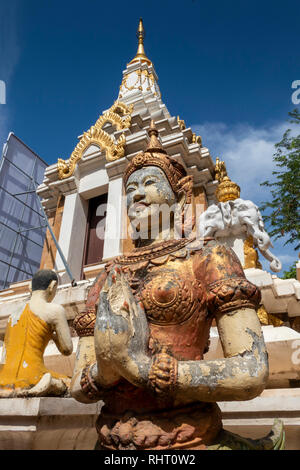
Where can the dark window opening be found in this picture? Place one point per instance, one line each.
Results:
(94, 239)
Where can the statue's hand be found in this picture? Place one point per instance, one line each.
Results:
(121, 329)
(163, 372)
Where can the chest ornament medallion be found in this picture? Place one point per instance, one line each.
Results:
(170, 298)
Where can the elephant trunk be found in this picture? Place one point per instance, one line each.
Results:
(261, 238)
(275, 263)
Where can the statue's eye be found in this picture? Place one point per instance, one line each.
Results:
(129, 189)
(148, 182)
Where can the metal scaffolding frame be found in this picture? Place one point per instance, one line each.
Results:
(21, 231)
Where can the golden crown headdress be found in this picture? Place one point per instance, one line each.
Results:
(155, 155)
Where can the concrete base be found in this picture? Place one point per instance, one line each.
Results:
(254, 418)
(47, 424)
(64, 424)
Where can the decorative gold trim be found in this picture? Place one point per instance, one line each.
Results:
(181, 123)
(95, 135)
(124, 82)
(119, 107)
(197, 139)
(115, 119)
(146, 254)
(144, 77)
(227, 189)
(250, 255)
(266, 318)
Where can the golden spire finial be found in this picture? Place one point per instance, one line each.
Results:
(140, 55)
(154, 144)
(227, 189)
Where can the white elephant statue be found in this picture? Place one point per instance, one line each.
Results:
(234, 218)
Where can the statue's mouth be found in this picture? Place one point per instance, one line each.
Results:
(139, 206)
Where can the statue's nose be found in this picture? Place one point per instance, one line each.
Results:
(138, 195)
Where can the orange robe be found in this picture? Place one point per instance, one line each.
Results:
(25, 342)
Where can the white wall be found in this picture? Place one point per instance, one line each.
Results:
(72, 235)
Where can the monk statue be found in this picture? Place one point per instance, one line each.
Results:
(146, 326)
(24, 373)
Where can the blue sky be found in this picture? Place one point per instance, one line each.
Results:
(225, 67)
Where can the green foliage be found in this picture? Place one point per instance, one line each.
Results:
(291, 273)
(283, 212)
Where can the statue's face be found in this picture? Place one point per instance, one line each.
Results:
(212, 220)
(146, 190)
(245, 211)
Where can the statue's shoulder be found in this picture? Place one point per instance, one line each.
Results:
(54, 309)
(46, 311)
(95, 288)
(214, 261)
(199, 244)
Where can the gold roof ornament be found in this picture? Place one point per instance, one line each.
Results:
(266, 318)
(140, 55)
(181, 123)
(154, 144)
(197, 139)
(251, 259)
(118, 115)
(227, 189)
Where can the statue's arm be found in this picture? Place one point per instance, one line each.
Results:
(61, 333)
(120, 343)
(121, 346)
(232, 300)
(121, 336)
(241, 374)
(91, 377)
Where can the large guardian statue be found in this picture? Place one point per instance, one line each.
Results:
(146, 327)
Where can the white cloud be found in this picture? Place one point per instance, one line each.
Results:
(248, 153)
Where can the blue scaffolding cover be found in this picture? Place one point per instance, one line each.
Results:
(22, 228)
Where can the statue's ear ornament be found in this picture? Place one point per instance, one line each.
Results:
(186, 184)
(185, 221)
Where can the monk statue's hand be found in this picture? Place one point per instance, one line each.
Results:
(163, 372)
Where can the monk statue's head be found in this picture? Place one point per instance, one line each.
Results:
(157, 187)
(45, 281)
